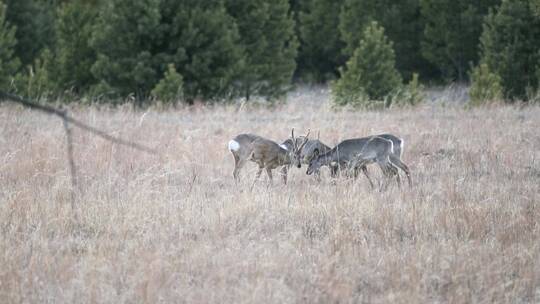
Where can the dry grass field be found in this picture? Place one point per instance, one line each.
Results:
(173, 227)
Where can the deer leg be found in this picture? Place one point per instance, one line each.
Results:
(269, 173)
(386, 182)
(398, 163)
(238, 165)
(386, 170)
(257, 175)
(235, 171)
(394, 172)
(355, 172)
(359, 165)
(365, 171)
(284, 171)
(334, 171)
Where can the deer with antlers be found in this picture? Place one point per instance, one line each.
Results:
(310, 149)
(357, 153)
(266, 153)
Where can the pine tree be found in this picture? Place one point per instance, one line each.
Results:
(75, 56)
(124, 40)
(37, 80)
(201, 39)
(451, 34)
(321, 48)
(370, 72)
(9, 64)
(35, 22)
(170, 87)
(402, 25)
(509, 46)
(269, 46)
(485, 86)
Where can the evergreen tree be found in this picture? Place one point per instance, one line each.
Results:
(269, 46)
(37, 80)
(201, 39)
(321, 47)
(451, 34)
(170, 87)
(485, 86)
(402, 25)
(510, 46)
(9, 64)
(34, 20)
(75, 56)
(124, 40)
(370, 73)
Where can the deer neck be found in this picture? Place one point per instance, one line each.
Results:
(330, 157)
(284, 157)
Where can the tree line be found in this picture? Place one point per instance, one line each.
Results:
(215, 50)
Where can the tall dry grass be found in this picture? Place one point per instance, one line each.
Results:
(173, 227)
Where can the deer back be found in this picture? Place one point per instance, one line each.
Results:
(396, 141)
(376, 147)
(242, 144)
(269, 153)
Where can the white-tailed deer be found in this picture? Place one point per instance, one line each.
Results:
(334, 167)
(310, 149)
(266, 153)
(357, 153)
(241, 147)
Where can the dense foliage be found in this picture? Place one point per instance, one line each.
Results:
(451, 32)
(221, 49)
(370, 73)
(269, 45)
(8, 62)
(510, 47)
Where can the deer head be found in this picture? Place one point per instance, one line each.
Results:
(295, 154)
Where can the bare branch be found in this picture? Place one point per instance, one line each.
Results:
(72, 168)
(62, 114)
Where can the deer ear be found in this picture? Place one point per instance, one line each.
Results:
(316, 153)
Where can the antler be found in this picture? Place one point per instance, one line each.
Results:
(293, 140)
(305, 140)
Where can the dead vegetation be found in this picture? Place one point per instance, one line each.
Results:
(174, 227)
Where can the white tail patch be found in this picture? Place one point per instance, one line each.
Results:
(401, 147)
(284, 147)
(234, 145)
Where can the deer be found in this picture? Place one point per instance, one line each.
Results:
(311, 148)
(241, 147)
(320, 148)
(357, 153)
(266, 153)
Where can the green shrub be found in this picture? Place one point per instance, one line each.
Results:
(9, 63)
(509, 47)
(170, 88)
(410, 95)
(370, 73)
(38, 80)
(485, 87)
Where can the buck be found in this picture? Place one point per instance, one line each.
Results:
(316, 148)
(357, 153)
(311, 148)
(266, 153)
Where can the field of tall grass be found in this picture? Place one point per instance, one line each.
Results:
(174, 227)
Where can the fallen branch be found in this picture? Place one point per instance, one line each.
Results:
(66, 119)
(63, 114)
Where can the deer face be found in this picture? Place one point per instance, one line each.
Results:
(314, 165)
(296, 158)
(295, 153)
